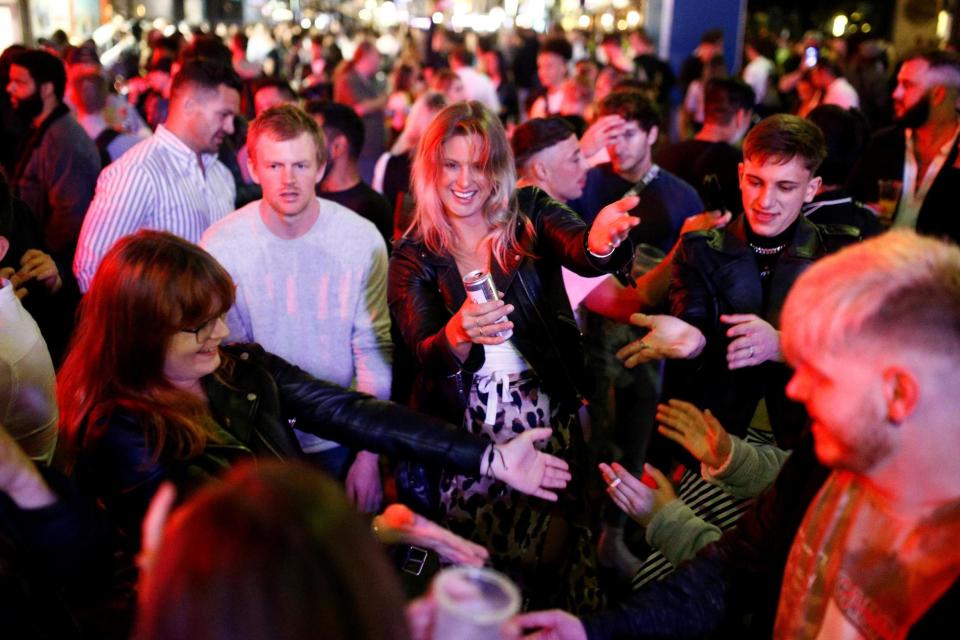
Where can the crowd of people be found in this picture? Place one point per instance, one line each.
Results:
(704, 391)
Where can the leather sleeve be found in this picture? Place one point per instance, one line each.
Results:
(363, 422)
(562, 233)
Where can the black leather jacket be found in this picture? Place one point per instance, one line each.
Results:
(425, 290)
(715, 273)
(256, 398)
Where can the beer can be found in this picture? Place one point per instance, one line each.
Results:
(480, 288)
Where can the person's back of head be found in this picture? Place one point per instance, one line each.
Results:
(43, 67)
(781, 138)
(631, 105)
(206, 47)
(460, 57)
(846, 132)
(538, 134)
(204, 74)
(89, 92)
(340, 120)
(273, 551)
(724, 97)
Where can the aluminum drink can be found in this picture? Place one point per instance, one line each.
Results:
(480, 288)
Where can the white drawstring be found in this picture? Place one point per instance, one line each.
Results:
(488, 385)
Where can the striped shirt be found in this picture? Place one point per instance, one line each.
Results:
(158, 184)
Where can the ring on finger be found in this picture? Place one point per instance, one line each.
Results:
(750, 353)
(615, 483)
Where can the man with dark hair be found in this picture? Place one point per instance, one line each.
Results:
(88, 93)
(728, 111)
(342, 183)
(846, 132)
(547, 155)
(57, 166)
(665, 200)
(918, 155)
(172, 181)
(711, 46)
(649, 68)
(552, 60)
(730, 284)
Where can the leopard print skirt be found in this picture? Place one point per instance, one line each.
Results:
(545, 547)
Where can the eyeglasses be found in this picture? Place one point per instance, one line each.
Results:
(205, 330)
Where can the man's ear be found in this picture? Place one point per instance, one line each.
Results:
(253, 169)
(539, 170)
(652, 135)
(938, 94)
(739, 172)
(321, 171)
(901, 392)
(4, 246)
(46, 91)
(812, 187)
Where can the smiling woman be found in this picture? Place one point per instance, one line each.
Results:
(470, 217)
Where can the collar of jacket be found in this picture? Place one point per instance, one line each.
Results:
(805, 243)
(242, 395)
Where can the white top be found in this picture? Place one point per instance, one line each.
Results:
(318, 301)
(28, 399)
(841, 93)
(158, 184)
(757, 75)
(479, 87)
(914, 188)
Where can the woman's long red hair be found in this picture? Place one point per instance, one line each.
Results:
(149, 286)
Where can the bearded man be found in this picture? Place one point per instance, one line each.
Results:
(58, 163)
(918, 155)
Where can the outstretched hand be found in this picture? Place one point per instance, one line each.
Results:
(705, 221)
(698, 432)
(612, 226)
(399, 524)
(525, 468)
(639, 499)
(669, 337)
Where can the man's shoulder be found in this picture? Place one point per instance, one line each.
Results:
(234, 226)
(345, 223)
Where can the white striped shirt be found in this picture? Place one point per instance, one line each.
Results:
(158, 185)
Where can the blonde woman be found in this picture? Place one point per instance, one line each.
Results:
(508, 365)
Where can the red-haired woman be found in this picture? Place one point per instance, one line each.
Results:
(469, 217)
(148, 393)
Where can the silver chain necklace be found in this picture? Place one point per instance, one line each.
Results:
(765, 251)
